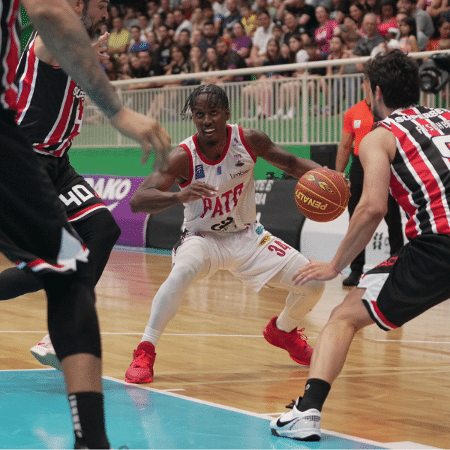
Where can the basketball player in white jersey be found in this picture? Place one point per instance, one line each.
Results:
(215, 172)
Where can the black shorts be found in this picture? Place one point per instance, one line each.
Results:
(33, 223)
(78, 197)
(408, 283)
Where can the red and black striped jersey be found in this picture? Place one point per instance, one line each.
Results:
(49, 105)
(420, 171)
(9, 52)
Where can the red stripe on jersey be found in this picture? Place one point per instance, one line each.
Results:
(401, 195)
(191, 165)
(9, 97)
(241, 134)
(27, 82)
(60, 127)
(429, 184)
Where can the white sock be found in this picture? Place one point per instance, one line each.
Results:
(151, 335)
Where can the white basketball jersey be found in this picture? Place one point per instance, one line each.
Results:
(233, 208)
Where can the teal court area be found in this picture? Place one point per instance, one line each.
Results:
(35, 414)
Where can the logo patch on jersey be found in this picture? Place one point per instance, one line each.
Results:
(259, 230)
(219, 170)
(264, 240)
(238, 159)
(199, 172)
(78, 93)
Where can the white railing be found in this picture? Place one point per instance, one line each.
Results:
(318, 105)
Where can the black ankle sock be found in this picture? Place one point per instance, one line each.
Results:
(88, 420)
(316, 392)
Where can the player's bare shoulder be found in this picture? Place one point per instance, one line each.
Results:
(179, 164)
(379, 139)
(257, 140)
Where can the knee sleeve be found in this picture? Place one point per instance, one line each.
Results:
(301, 299)
(72, 318)
(192, 263)
(100, 233)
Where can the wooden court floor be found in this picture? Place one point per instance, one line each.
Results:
(395, 386)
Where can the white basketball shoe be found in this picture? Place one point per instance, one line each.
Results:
(301, 426)
(45, 353)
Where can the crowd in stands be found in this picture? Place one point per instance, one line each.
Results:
(157, 37)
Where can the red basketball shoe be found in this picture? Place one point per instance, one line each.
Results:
(294, 342)
(141, 368)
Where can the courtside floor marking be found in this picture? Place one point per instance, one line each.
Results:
(35, 414)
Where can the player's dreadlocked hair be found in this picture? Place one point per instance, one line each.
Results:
(216, 96)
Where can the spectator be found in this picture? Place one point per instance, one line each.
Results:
(263, 5)
(303, 13)
(184, 41)
(373, 6)
(232, 18)
(339, 10)
(181, 23)
(152, 40)
(387, 18)
(147, 68)
(220, 12)
(277, 33)
(371, 37)
(443, 26)
(165, 42)
(152, 8)
(164, 8)
(228, 60)
(424, 22)
(438, 7)
(333, 88)
(137, 43)
(195, 63)
(290, 91)
(262, 35)
(325, 31)
(120, 38)
(357, 12)
(135, 66)
(347, 27)
(196, 37)
(240, 42)
(170, 23)
(130, 17)
(210, 38)
(408, 35)
(178, 65)
(157, 21)
(249, 19)
(261, 92)
(110, 67)
(210, 64)
(292, 27)
(144, 24)
(197, 19)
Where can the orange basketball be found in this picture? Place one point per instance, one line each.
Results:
(321, 194)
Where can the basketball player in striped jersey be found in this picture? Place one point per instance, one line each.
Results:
(408, 154)
(34, 231)
(50, 113)
(215, 172)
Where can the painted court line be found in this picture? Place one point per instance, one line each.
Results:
(393, 445)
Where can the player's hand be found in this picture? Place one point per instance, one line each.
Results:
(196, 191)
(100, 47)
(148, 132)
(314, 270)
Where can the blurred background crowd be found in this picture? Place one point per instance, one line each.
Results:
(158, 37)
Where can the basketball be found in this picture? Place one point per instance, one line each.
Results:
(322, 195)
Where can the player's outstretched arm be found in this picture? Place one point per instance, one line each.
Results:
(153, 195)
(66, 39)
(261, 145)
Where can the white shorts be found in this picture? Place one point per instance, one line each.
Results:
(252, 255)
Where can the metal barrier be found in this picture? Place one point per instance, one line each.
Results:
(292, 111)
